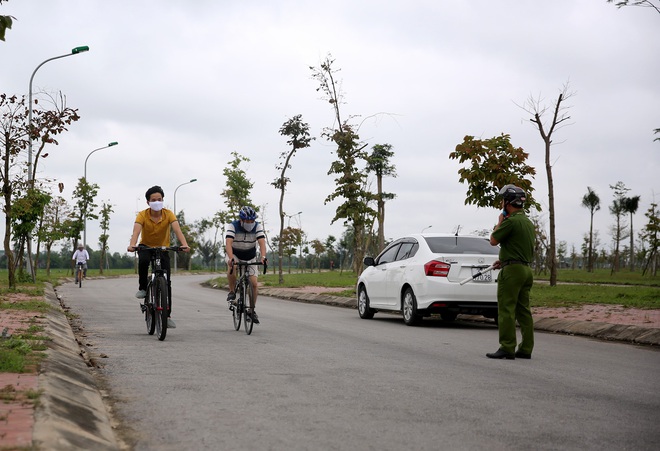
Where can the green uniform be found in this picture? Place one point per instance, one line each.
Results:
(516, 237)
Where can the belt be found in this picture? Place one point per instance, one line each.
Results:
(513, 262)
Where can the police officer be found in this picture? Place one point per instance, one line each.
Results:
(514, 233)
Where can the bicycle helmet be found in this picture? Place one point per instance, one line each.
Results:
(247, 213)
(513, 195)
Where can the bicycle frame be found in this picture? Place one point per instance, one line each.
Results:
(79, 273)
(245, 296)
(158, 299)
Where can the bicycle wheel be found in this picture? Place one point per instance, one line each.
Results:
(247, 310)
(238, 309)
(80, 273)
(160, 297)
(150, 312)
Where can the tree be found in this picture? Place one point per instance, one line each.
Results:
(630, 205)
(651, 234)
(592, 202)
(319, 249)
(26, 213)
(15, 131)
(350, 180)
(538, 111)
(106, 209)
(85, 207)
(51, 230)
(642, 3)
(378, 162)
(5, 24)
(493, 163)
(298, 133)
(237, 191)
(619, 229)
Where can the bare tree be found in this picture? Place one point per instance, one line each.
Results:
(538, 110)
(642, 3)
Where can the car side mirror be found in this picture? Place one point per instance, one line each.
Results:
(369, 261)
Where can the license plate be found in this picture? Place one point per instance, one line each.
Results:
(487, 277)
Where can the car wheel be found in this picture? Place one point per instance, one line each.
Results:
(410, 315)
(363, 304)
(448, 316)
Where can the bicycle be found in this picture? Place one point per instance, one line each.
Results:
(245, 297)
(157, 302)
(79, 273)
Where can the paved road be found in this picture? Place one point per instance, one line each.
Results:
(318, 377)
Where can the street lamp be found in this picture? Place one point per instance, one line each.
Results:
(114, 143)
(74, 51)
(175, 190)
(426, 228)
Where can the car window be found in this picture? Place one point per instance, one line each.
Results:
(460, 245)
(389, 254)
(405, 251)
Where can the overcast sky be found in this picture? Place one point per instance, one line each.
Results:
(181, 85)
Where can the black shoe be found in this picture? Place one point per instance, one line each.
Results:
(143, 308)
(255, 318)
(500, 354)
(522, 355)
(231, 296)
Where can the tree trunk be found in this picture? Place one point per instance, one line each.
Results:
(552, 258)
(632, 237)
(381, 215)
(590, 262)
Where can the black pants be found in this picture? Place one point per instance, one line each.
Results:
(144, 259)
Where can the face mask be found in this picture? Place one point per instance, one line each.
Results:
(248, 226)
(156, 206)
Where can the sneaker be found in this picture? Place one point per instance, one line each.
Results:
(170, 323)
(255, 318)
(143, 308)
(231, 296)
(141, 294)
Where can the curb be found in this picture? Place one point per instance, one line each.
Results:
(602, 331)
(71, 413)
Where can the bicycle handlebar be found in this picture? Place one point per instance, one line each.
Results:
(232, 263)
(161, 248)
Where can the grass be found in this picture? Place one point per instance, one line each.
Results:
(602, 276)
(575, 288)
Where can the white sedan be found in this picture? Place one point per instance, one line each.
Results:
(420, 274)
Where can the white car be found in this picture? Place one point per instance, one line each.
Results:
(420, 274)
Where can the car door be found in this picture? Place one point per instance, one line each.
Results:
(377, 286)
(396, 274)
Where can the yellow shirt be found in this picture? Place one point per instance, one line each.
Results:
(153, 233)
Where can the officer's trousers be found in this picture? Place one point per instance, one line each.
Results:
(513, 286)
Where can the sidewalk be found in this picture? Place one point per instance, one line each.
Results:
(71, 414)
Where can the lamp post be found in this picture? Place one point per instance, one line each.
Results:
(175, 190)
(426, 228)
(291, 216)
(114, 143)
(74, 51)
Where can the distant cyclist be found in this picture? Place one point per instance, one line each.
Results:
(241, 241)
(81, 256)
